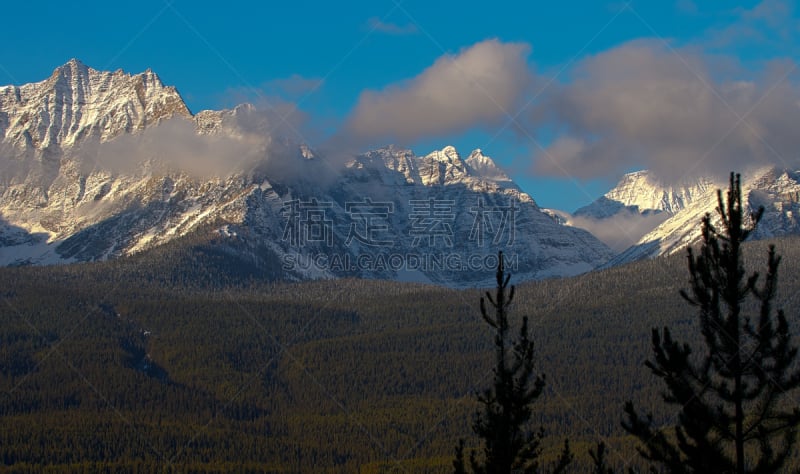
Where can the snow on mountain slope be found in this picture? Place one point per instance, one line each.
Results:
(640, 192)
(641, 218)
(777, 190)
(484, 166)
(77, 102)
(634, 207)
(384, 214)
(435, 215)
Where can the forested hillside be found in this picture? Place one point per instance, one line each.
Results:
(129, 367)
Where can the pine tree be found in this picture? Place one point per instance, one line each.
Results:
(734, 399)
(509, 445)
(599, 459)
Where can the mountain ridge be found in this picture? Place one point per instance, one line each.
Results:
(681, 208)
(79, 101)
(107, 172)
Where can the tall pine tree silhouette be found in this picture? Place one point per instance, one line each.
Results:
(735, 412)
(509, 444)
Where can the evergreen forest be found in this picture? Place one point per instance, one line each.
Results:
(155, 364)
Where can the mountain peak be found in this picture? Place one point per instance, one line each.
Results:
(74, 62)
(77, 102)
(777, 190)
(150, 78)
(73, 67)
(482, 165)
(390, 149)
(448, 154)
(643, 190)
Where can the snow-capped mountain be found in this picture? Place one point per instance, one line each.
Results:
(639, 192)
(777, 190)
(634, 207)
(77, 102)
(98, 165)
(667, 218)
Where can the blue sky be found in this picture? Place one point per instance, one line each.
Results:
(565, 95)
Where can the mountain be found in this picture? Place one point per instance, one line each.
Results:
(777, 190)
(666, 219)
(77, 102)
(634, 207)
(99, 165)
(639, 192)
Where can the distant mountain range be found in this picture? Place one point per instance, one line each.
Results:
(661, 220)
(98, 165)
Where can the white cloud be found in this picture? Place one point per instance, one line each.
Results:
(775, 13)
(621, 230)
(479, 86)
(770, 25)
(293, 87)
(376, 24)
(174, 144)
(253, 137)
(644, 105)
(273, 94)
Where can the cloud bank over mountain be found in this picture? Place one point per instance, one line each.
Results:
(647, 105)
(481, 86)
(700, 105)
(621, 230)
(679, 108)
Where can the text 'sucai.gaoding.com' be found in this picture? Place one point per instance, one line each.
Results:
(395, 262)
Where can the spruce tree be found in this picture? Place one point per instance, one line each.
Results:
(509, 444)
(735, 412)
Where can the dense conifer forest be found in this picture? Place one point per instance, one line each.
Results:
(172, 362)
